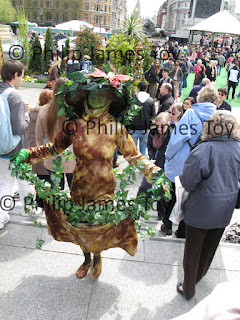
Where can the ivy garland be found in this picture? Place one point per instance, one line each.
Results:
(92, 213)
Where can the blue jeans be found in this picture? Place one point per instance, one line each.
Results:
(219, 68)
(184, 81)
(180, 88)
(142, 136)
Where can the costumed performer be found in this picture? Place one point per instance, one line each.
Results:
(95, 134)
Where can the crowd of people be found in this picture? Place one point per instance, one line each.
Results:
(196, 140)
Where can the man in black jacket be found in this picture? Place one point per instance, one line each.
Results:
(141, 123)
(165, 79)
(165, 98)
(223, 104)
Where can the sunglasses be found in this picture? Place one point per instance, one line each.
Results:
(170, 112)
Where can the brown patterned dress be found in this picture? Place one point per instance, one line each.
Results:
(94, 142)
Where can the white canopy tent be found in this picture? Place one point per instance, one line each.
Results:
(221, 22)
(73, 25)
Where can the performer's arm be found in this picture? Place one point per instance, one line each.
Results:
(130, 152)
(40, 153)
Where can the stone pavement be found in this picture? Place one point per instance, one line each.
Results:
(41, 284)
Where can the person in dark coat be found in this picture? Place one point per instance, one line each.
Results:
(165, 97)
(158, 139)
(141, 123)
(210, 175)
(153, 75)
(223, 104)
(194, 92)
(201, 75)
(165, 79)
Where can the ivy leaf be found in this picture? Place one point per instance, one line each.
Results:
(39, 243)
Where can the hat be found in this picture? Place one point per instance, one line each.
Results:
(120, 89)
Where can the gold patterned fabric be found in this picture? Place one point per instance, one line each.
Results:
(94, 142)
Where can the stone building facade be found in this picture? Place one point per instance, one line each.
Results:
(107, 13)
(183, 14)
(161, 13)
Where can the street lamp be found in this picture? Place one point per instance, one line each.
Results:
(101, 15)
(41, 12)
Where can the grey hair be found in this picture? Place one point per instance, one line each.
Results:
(208, 94)
(206, 81)
(221, 123)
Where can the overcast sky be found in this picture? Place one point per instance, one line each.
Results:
(149, 7)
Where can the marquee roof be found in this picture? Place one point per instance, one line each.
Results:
(220, 22)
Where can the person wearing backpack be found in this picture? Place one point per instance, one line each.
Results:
(14, 121)
(85, 64)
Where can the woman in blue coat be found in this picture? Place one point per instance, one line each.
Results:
(210, 175)
(184, 136)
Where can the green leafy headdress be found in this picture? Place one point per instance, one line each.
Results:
(71, 96)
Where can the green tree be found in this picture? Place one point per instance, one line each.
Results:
(87, 43)
(132, 27)
(49, 48)
(35, 63)
(7, 12)
(121, 51)
(23, 35)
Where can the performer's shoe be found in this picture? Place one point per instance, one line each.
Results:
(82, 271)
(96, 270)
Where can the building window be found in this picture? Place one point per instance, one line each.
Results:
(86, 17)
(57, 17)
(109, 8)
(97, 7)
(87, 6)
(77, 5)
(49, 16)
(97, 17)
(66, 6)
(104, 20)
(49, 4)
(105, 9)
(185, 4)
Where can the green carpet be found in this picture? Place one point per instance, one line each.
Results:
(221, 81)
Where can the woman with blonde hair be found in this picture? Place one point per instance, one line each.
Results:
(47, 127)
(211, 70)
(175, 112)
(153, 76)
(210, 175)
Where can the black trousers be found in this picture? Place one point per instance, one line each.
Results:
(232, 85)
(200, 248)
(170, 205)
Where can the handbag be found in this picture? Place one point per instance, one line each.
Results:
(177, 213)
(50, 83)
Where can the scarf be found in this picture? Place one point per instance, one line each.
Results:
(157, 141)
(94, 113)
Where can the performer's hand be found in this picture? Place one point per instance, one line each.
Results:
(23, 155)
